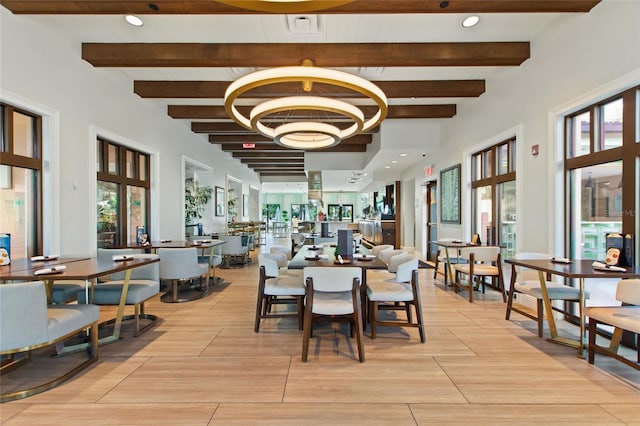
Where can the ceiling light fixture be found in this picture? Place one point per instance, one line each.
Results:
(133, 20)
(285, 6)
(470, 21)
(306, 134)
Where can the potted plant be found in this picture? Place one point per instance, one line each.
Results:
(196, 198)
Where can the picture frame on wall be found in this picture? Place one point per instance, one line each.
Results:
(245, 205)
(450, 195)
(219, 201)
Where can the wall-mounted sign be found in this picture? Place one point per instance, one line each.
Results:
(248, 145)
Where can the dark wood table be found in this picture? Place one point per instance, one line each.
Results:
(448, 270)
(84, 269)
(577, 269)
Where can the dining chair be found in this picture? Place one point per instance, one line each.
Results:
(622, 318)
(234, 252)
(332, 293)
(144, 283)
(180, 266)
(27, 323)
(277, 289)
(297, 241)
(397, 293)
(480, 262)
(526, 281)
(386, 254)
(375, 250)
(212, 258)
(283, 261)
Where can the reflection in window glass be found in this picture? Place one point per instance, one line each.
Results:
(23, 134)
(129, 164)
(108, 220)
(487, 159)
(113, 159)
(483, 220)
(580, 134)
(503, 159)
(142, 167)
(18, 209)
(612, 124)
(507, 224)
(136, 211)
(596, 207)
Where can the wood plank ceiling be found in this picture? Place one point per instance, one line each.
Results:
(265, 157)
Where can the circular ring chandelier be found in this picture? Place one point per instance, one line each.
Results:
(308, 134)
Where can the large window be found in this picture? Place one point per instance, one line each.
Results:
(493, 186)
(602, 152)
(21, 181)
(122, 194)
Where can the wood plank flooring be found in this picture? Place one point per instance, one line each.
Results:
(204, 365)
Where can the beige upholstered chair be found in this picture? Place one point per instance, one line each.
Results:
(397, 293)
(442, 258)
(234, 253)
(332, 293)
(27, 323)
(527, 281)
(483, 261)
(179, 266)
(297, 241)
(283, 262)
(276, 289)
(622, 318)
(375, 250)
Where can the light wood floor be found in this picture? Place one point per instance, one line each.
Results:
(204, 365)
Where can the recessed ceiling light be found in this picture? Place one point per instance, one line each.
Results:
(394, 161)
(471, 21)
(387, 167)
(403, 155)
(133, 20)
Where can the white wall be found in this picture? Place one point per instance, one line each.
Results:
(42, 69)
(586, 53)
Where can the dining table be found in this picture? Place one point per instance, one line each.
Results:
(579, 269)
(322, 255)
(85, 269)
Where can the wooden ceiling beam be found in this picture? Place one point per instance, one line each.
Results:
(395, 111)
(331, 55)
(121, 7)
(398, 89)
(267, 160)
(258, 154)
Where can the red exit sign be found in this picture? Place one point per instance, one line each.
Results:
(248, 145)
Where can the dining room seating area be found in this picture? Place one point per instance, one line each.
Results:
(206, 350)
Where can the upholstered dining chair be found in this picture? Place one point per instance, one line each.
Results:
(527, 282)
(332, 293)
(277, 289)
(397, 293)
(386, 254)
(234, 253)
(375, 250)
(481, 262)
(180, 266)
(144, 283)
(622, 318)
(27, 323)
(283, 261)
(441, 257)
(297, 241)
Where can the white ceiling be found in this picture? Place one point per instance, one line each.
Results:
(331, 29)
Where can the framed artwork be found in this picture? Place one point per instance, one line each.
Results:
(450, 195)
(245, 205)
(219, 201)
